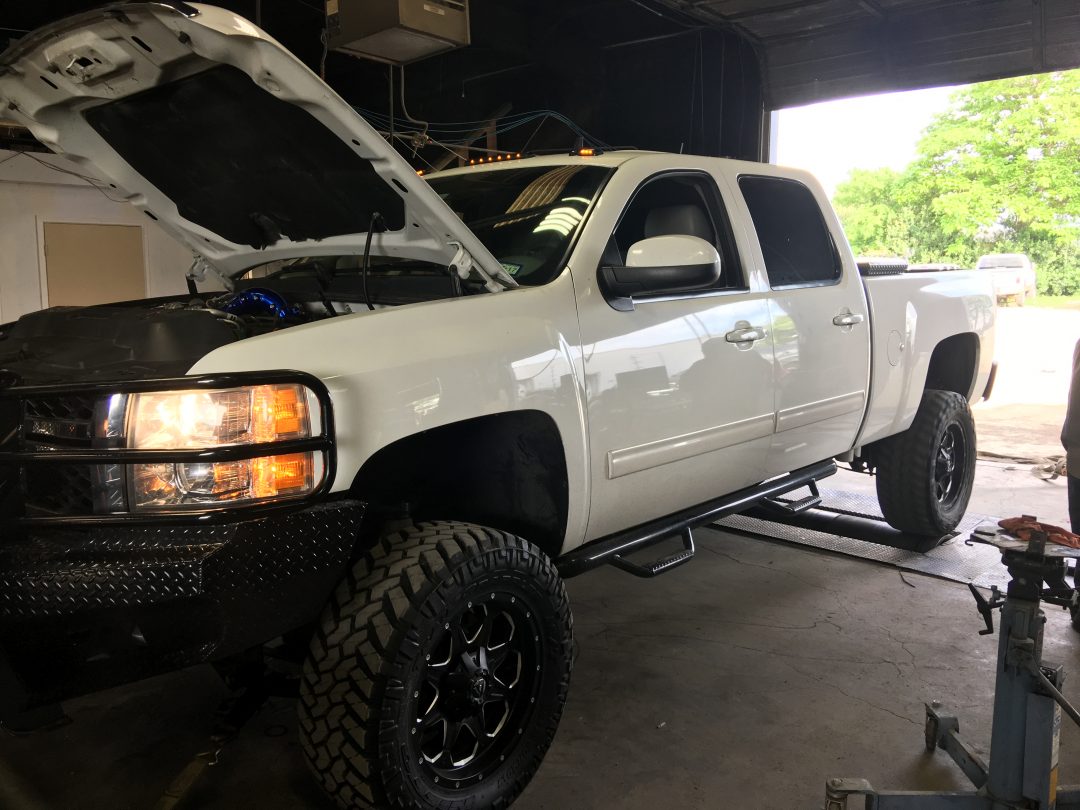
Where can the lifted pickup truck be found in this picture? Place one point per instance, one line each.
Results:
(413, 404)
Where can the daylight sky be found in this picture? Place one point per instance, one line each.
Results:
(834, 137)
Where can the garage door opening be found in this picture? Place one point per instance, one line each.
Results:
(948, 178)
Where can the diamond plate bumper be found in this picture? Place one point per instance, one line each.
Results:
(89, 609)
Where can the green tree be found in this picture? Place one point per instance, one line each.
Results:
(996, 172)
(868, 206)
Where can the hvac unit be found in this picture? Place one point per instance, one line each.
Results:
(396, 31)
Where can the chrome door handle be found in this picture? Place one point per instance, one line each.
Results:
(747, 334)
(847, 319)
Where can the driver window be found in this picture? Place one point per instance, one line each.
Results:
(678, 204)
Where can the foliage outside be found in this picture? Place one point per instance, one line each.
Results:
(997, 172)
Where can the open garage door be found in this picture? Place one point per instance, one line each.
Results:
(815, 50)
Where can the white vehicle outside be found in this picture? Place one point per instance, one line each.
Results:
(1013, 275)
(520, 369)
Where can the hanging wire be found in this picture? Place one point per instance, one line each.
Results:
(404, 111)
(98, 185)
(461, 133)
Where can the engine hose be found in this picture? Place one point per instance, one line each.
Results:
(235, 320)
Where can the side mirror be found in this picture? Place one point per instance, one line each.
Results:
(661, 264)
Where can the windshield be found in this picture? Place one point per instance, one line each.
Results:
(527, 217)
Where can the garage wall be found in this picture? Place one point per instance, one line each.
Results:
(31, 194)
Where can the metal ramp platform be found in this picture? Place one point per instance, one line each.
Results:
(850, 523)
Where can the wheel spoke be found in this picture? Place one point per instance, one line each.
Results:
(497, 657)
(484, 637)
(469, 662)
(464, 742)
(429, 704)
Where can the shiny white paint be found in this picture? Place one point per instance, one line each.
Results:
(822, 368)
(398, 371)
(656, 409)
(672, 251)
(911, 314)
(667, 394)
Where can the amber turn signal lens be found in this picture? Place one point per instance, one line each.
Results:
(274, 476)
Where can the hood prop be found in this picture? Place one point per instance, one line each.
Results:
(200, 269)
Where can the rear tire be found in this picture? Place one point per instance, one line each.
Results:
(925, 474)
(437, 676)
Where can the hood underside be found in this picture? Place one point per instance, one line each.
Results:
(227, 140)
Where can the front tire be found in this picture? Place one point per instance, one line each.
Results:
(439, 671)
(925, 474)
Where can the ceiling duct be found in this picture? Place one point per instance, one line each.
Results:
(396, 31)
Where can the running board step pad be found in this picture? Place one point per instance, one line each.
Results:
(661, 566)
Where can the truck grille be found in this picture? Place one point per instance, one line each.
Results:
(58, 423)
(58, 420)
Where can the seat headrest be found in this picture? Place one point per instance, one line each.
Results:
(687, 220)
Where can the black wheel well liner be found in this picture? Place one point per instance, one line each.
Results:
(506, 471)
(954, 364)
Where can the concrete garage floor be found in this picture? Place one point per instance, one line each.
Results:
(743, 679)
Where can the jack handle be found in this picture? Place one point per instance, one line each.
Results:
(986, 608)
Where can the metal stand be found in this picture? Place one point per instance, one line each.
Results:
(1023, 769)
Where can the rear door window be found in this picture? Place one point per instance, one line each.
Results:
(795, 241)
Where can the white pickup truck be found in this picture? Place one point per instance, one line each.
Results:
(393, 411)
(1013, 275)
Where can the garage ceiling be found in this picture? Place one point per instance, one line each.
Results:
(814, 50)
(705, 70)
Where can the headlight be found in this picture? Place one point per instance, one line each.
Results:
(207, 419)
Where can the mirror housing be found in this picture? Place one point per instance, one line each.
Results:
(661, 264)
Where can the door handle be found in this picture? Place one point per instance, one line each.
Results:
(746, 334)
(847, 319)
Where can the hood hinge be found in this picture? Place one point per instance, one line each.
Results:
(463, 265)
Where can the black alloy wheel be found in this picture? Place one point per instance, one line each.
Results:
(949, 465)
(478, 688)
(438, 674)
(925, 474)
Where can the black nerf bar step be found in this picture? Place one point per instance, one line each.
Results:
(795, 507)
(661, 566)
(606, 549)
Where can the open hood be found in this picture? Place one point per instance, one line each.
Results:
(223, 137)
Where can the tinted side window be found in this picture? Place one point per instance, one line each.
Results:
(795, 241)
(685, 204)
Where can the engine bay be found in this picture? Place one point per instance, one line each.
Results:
(164, 337)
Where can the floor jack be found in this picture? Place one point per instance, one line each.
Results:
(1023, 769)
